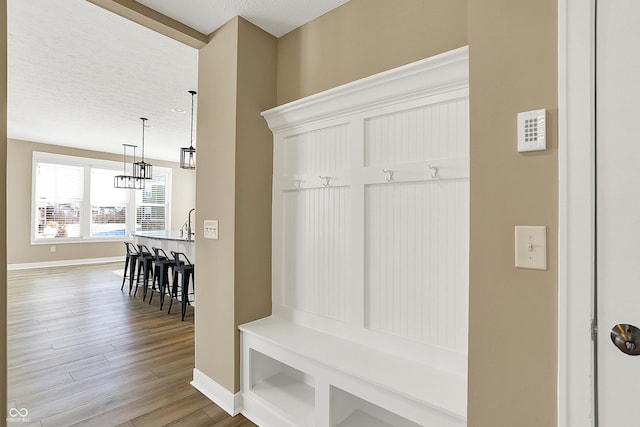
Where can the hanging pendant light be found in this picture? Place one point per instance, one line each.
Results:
(188, 154)
(127, 181)
(142, 170)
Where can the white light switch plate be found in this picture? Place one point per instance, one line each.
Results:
(211, 229)
(531, 247)
(532, 130)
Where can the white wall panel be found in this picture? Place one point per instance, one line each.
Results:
(316, 151)
(416, 261)
(370, 244)
(371, 211)
(436, 131)
(316, 251)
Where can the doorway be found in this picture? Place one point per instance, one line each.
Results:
(577, 232)
(617, 210)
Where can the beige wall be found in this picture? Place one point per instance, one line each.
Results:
(257, 53)
(20, 249)
(365, 37)
(513, 312)
(215, 199)
(3, 211)
(510, 71)
(237, 74)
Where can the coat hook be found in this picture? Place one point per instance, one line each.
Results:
(389, 174)
(434, 171)
(299, 183)
(327, 180)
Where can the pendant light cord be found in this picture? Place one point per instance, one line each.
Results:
(192, 92)
(143, 120)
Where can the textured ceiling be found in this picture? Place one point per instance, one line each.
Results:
(277, 17)
(81, 76)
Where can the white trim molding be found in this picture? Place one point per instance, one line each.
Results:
(63, 263)
(576, 240)
(230, 402)
(442, 73)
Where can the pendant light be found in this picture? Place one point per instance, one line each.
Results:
(142, 170)
(188, 154)
(127, 181)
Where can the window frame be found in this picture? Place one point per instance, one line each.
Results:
(85, 207)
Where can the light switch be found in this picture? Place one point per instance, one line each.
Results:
(211, 229)
(531, 247)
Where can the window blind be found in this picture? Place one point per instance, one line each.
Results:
(151, 204)
(74, 199)
(58, 200)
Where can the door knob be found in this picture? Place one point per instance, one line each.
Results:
(626, 338)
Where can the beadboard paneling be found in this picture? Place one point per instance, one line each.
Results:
(316, 251)
(436, 131)
(317, 150)
(416, 261)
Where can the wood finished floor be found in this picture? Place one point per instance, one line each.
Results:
(81, 352)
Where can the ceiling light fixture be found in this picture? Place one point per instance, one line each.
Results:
(142, 170)
(127, 181)
(188, 154)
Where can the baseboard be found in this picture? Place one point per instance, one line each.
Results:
(63, 263)
(260, 414)
(230, 402)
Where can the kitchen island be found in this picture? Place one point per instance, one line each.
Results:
(167, 240)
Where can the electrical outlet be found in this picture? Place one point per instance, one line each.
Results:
(52, 248)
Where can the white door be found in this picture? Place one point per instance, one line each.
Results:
(618, 209)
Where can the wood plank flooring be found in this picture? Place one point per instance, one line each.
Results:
(81, 352)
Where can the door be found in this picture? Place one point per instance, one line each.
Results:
(618, 209)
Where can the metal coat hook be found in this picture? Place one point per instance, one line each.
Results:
(434, 171)
(389, 174)
(327, 180)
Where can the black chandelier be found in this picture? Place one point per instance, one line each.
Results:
(142, 170)
(127, 181)
(188, 154)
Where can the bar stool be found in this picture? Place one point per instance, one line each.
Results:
(145, 265)
(130, 263)
(187, 270)
(161, 265)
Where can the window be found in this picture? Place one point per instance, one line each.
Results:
(151, 204)
(74, 200)
(108, 205)
(58, 200)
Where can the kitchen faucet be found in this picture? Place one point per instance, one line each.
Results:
(189, 233)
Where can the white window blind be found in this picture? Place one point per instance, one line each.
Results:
(58, 200)
(152, 204)
(74, 200)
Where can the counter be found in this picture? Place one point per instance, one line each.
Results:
(167, 240)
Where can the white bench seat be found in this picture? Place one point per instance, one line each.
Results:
(305, 348)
